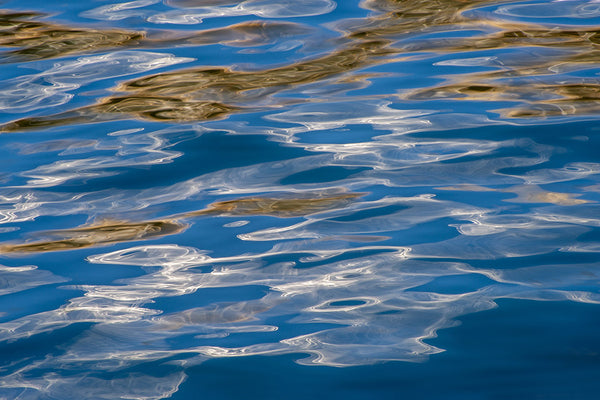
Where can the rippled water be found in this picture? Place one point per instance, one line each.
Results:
(212, 199)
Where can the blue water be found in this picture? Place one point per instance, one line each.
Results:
(376, 199)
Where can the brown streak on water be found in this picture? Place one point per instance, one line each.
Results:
(206, 93)
(113, 231)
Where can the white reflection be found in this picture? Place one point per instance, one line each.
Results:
(560, 9)
(412, 211)
(130, 149)
(378, 114)
(501, 236)
(471, 62)
(195, 15)
(260, 8)
(571, 171)
(49, 88)
(78, 385)
(118, 11)
(17, 279)
(377, 303)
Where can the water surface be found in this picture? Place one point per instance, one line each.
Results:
(275, 199)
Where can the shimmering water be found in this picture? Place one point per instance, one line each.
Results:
(384, 199)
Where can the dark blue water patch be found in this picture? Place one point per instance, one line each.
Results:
(548, 133)
(527, 349)
(72, 264)
(390, 312)
(208, 233)
(454, 284)
(492, 198)
(346, 303)
(371, 213)
(32, 230)
(551, 258)
(425, 232)
(521, 350)
(592, 236)
(38, 346)
(208, 153)
(56, 10)
(322, 174)
(35, 300)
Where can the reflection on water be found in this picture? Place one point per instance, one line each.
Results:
(209, 93)
(102, 233)
(109, 231)
(185, 95)
(39, 40)
(338, 182)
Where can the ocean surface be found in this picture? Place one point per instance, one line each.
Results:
(299, 199)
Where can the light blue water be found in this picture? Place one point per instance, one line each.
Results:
(384, 199)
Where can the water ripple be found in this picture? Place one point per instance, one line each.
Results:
(233, 179)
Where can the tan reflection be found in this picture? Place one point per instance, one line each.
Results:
(183, 96)
(539, 100)
(253, 33)
(410, 16)
(39, 40)
(526, 194)
(194, 82)
(112, 231)
(572, 99)
(515, 83)
(107, 232)
(207, 93)
(283, 207)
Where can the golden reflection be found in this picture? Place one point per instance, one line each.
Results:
(39, 40)
(205, 93)
(194, 82)
(253, 33)
(113, 231)
(277, 207)
(183, 96)
(578, 47)
(539, 100)
(106, 232)
(409, 16)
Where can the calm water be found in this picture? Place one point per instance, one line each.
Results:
(277, 199)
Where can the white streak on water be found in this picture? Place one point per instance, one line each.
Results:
(50, 88)
(17, 279)
(260, 8)
(118, 11)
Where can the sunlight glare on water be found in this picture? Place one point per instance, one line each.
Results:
(221, 199)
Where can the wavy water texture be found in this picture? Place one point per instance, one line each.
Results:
(190, 95)
(38, 40)
(109, 231)
(198, 11)
(337, 183)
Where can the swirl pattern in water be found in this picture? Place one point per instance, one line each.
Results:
(195, 189)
